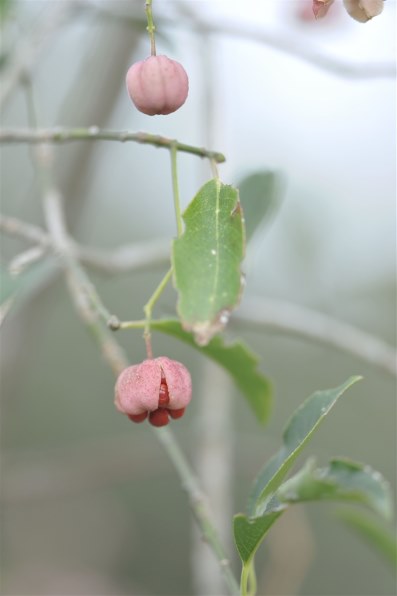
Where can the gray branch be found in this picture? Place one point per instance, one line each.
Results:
(292, 319)
(93, 133)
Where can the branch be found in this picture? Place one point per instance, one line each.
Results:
(93, 133)
(125, 258)
(87, 303)
(297, 47)
(293, 319)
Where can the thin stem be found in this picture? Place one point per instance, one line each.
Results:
(148, 309)
(150, 27)
(252, 579)
(175, 188)
(214, 168)
(295, 320)
(25, 259)
(133, 324)
(244, 579)
(248, 579)
(198, 504)
(93, 133)
(52, 205)
(125, 258)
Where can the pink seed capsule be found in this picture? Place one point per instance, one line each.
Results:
(157, 85)
(158, 388)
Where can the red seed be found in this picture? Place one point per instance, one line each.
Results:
(177, 413)
(164, 397)
(138, 417)
(159, 417)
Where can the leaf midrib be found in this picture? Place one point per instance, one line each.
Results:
(217, 257)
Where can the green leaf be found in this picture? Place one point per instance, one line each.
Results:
(297, 434)
(382, 539)
(260, 195)
(248, 534)
(341, 480)
(207, 259)
(5, 6)
(237, 359)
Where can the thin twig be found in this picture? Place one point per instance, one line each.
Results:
(89, 307)
(16, 227)
(292, 319)
(140, 255)
(26, 258)
(93, 133)
(288, 43)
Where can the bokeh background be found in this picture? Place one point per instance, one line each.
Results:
(90, 503)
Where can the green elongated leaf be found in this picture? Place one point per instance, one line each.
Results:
(341, 480)
(260, 195)
(237, 359)
(207, 259)
(248, 534)
(382, 539)
(297, 433)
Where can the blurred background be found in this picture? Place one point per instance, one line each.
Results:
(90, 503)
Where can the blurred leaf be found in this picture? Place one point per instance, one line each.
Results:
(4, 59)
(260, 195)
(207, 260)
(248, 534)
(237, 359)
(343, 480)
(382, 539)
(5, 6)
(297, 434)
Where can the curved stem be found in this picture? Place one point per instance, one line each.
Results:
(214, 168)
(150, 27)
(148, 309)
(244, 579)
(248, 579)
(252, 579)
(198, 505)
(175, 188)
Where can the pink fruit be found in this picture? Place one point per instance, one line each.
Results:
(157, 85)
(158, 387)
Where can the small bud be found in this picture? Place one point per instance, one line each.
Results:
(158, 388)
(363, 10)
(157, 85)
